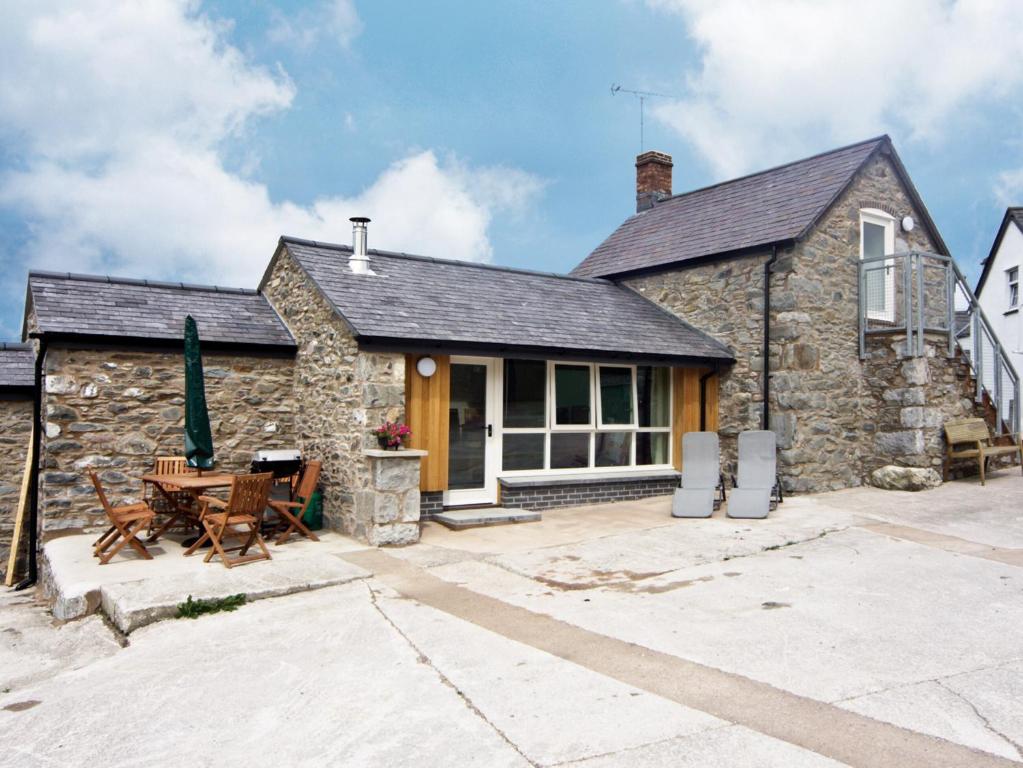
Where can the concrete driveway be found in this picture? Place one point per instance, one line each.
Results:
(861, 628)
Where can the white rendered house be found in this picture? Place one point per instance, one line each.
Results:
(998, 289)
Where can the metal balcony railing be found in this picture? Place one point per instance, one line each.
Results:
(917, 293)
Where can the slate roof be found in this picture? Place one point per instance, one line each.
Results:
(1013, 215)
(17, 366)
(766, 208)
(76, 306)
(415, 300)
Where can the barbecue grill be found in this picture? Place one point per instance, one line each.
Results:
(282, 463)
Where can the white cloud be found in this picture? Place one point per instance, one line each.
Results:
(334, 20)
(1009, 187)
(121, 115)
(782, 76)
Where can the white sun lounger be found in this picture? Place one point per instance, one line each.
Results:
(701, 476)
(755, 485)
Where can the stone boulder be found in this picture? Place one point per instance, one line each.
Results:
(893, 478)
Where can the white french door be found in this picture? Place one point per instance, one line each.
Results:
(472, 432)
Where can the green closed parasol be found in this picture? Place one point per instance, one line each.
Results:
(198, 437)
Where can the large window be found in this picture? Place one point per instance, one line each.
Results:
(579, 415)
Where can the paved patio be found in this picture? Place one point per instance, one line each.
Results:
(860, 628)
(134, 592)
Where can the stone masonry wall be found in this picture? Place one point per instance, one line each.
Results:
(340, 394)
(824, 400)
(115, 410)
(916, 396)
(15, 429)
(726, 300)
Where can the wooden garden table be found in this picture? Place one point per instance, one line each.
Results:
(193, 483)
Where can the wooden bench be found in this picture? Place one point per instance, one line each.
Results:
(974, 433)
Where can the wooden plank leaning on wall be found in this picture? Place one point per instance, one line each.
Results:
(686, 407)
(426, 413)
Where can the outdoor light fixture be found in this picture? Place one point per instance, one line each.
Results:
(908, 223)
(426, 366)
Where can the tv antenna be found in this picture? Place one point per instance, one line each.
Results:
(642, 96)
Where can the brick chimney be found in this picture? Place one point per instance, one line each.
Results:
(653, 179)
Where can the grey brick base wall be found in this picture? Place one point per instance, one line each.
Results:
(430, 503)
(577, 491)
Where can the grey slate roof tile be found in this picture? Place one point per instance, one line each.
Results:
(17, 366)
(84, 305)
(414, 298)
(756, 210)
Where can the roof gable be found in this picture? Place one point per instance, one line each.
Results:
(415, 300)
(767, 208)
(1013, 215)
(132, 311)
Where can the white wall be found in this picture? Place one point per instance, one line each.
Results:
(994, 298)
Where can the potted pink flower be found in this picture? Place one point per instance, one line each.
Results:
(391, 435)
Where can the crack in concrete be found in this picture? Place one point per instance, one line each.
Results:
(937, 679)
(584, 760)
(984, 721)
(424, 659)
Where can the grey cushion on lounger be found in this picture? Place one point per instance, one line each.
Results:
(749, 503)
(701, 462)
(693, 502)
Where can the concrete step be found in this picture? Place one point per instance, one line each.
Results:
(459, 519)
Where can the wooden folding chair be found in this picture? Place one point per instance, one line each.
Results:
(125, 524)
(306, 488)
(239, 518)
(178, 507)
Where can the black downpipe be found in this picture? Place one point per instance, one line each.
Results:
(767, 335)
(33, 488)
(703, 399)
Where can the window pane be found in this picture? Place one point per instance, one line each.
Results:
(572, 394)
(651, 448)
(873, 240)
(570, 450)
(613, 449)
(525, 387)
(652, 390)
(616, 395)
(467, 421)
(523, 452)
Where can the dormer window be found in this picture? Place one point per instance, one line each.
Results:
(1012, 280)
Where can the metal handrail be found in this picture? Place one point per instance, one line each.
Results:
(914, 327)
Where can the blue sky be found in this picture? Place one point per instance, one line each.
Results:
(178, 139)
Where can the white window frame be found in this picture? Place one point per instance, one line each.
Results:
(1011, 283)
(887, 221)
(552, 395)
(601, 426)
(592, 429)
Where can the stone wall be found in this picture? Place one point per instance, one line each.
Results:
(387, 507)
(340, 394)
(115, 410)
(916, 396)
(824, 403)
(15, 430)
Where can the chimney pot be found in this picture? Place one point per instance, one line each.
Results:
(653, 179)
(359, 261)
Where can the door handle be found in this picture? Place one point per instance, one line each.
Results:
(490, 430)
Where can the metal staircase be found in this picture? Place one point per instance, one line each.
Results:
(917, 293)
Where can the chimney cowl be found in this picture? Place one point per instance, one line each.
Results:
(359, 260)
(653, 179)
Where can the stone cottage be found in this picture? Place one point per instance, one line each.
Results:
(789, 268)
(815, 298)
